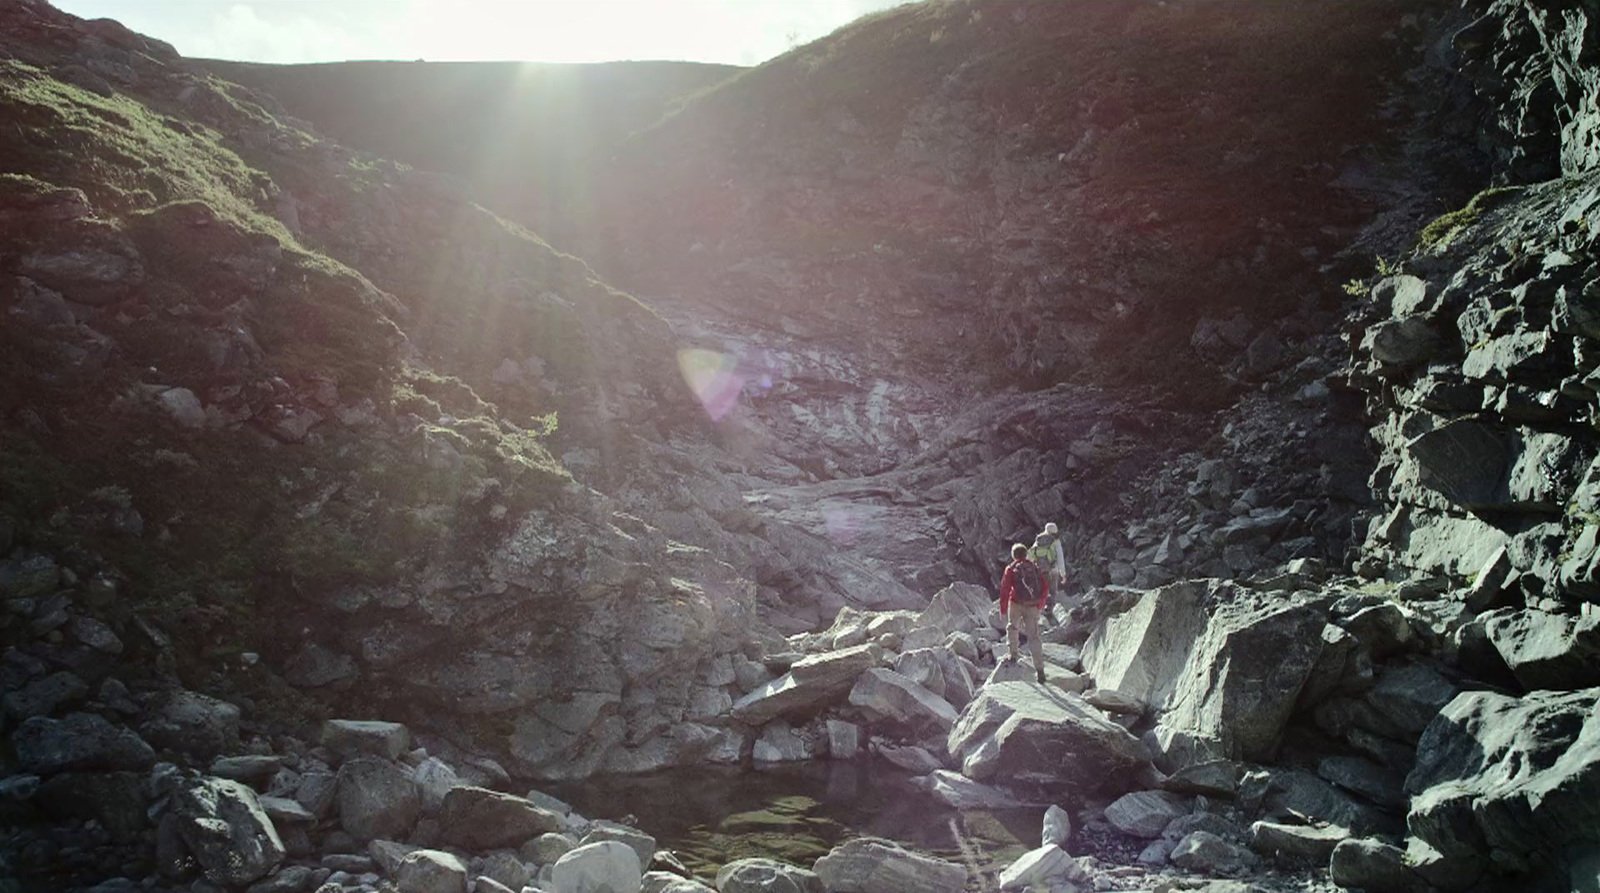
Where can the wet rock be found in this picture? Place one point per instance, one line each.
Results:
(223, 825)
(605, 867)
(77, 741)
(766, 876)
(886, 696)
(873, 865)
(477, 819)
(192, 723)
(355, 737)
(430, 871)
(1019, 731)
(376, 799)
(1044, 868)
(1145, 813)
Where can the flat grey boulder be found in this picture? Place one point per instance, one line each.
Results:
(226, 830)
(360, 737)
(766, 876)
(1550, 651)
(430, 871)
(1145, 813)
(1205, 853)
(642, 843)
(1518, 775)
(78, 741)
(886, 696)
(1306, 843)
(1027, 732)
(477, 819)
(1375, 866)
(873, 865)
(1023, 671)
(609, 866)
(376, 799)
(667, 882)
(811, 683)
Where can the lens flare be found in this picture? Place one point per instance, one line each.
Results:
(714, 378)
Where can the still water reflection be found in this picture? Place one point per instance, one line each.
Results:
(797, 812)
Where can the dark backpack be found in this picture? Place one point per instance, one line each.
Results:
(1030, 582)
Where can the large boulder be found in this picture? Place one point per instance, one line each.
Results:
(1519, 777)
(223, 825)
(810, 683)
(886, 696)
(1026, 732)
(1543, 650)
(766, 876)
(430, 871)
(193, 723)
(609, 866)
(1223, 665)
(873, 865)
(478, 819)
(377, 799)
(1145, 813)
(78, 741)
(116, 800)
(1042, 868)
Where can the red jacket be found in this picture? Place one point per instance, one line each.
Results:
(1009, 588)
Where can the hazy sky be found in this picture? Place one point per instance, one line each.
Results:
(743, 32)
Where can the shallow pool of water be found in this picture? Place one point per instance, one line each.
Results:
(797, 812)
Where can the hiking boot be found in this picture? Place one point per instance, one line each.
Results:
(1041, 675)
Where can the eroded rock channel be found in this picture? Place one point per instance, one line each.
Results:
(354, 538)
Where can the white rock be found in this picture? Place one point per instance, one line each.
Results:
(608, 866)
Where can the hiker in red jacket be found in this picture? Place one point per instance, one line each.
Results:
(1023, 590)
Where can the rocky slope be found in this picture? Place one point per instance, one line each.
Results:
(304, 430)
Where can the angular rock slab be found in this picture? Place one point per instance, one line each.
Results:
(810, 683)
(1041, 868)
(225, 828)
(873, 865)
(361, 737)
(78, 741)
(887, 696)
(1145, 813)
(1519, 775)
(430, 871)
(1027, 732)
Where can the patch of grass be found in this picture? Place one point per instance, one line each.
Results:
(1444, 228)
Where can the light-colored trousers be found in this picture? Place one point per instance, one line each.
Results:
(1024, 618)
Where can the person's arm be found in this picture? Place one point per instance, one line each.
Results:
(1007, 581)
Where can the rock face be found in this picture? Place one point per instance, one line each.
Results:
(1021, 732)
(480, 819)
(1515, 775)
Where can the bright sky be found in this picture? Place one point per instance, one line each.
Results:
(743, 32)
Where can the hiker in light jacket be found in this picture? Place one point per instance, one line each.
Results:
(1023, 590)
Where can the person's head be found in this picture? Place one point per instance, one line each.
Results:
(1019, 551)
(1051, 528)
